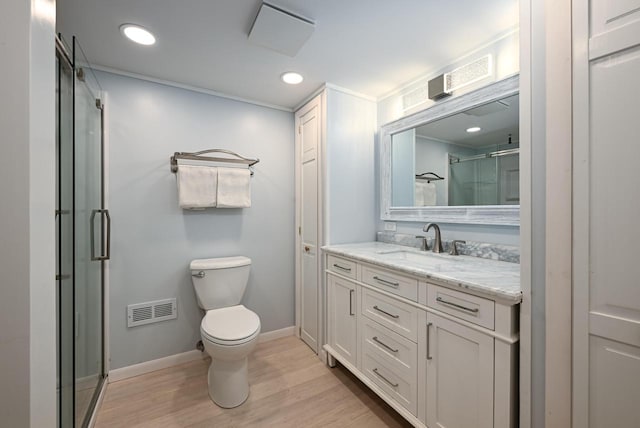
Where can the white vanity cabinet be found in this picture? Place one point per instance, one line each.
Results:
(441, 357)
(459, 377)
(341, 317)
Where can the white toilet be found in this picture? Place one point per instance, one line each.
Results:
(229, 330)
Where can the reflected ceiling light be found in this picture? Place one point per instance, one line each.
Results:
(292, 78)
(473, 129)
(138, 34)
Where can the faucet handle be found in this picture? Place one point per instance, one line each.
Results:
(454, 249)
(423, 243)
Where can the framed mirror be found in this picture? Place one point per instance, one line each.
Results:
(455, 162)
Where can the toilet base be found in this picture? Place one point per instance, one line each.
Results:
(228, 382)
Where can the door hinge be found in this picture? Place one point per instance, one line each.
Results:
(299, 230)
(299, 129)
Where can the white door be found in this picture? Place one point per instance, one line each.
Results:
(341, 315)
(459, 376)
(308, 127)
(606, 359)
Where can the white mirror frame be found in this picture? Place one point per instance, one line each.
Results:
(507, 215)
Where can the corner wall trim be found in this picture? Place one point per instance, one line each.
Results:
(187, 87)
(185, 357)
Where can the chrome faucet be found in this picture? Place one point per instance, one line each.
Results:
(437, 243)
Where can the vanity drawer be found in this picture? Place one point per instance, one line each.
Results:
(397, 316)
(342, 266)
(399, 352)
(462, 305)
(396, 384)
(390, 281)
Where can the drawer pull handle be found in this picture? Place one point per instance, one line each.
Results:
(375, 370)
(342, 267)
(455, 305)
(385, 282)
(429, 342)
(375, 339)
(385, 312)
(351, 301)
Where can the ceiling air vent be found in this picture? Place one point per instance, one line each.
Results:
(150, 312)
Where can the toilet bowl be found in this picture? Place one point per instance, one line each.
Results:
(229, 331)
(229, 335)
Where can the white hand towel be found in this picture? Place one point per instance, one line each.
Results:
(197, 186)
(418, 195)
(429, 194)
(234, 188)
(425, 194)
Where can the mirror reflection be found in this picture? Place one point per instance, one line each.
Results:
(470, 158)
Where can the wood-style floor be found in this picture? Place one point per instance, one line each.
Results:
(290, 387)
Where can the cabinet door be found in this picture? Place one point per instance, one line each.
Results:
(308, 138)
(342, 318)
(459, 376)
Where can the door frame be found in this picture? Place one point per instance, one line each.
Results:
(319, 101)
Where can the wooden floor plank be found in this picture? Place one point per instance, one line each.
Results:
(290, 387)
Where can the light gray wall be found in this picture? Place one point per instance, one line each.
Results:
(153, 240)
(42, 246)
(27, 250)
(14, 214)
(351, 124)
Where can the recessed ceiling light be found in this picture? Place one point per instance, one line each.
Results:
(292, 78)
(138, 34)
(473, 129)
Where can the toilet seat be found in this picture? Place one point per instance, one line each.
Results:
(230, 326)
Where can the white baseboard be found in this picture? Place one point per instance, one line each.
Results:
(153, 365)
(185, 357)
(276, 334)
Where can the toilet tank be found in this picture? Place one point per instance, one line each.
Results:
(220, 282)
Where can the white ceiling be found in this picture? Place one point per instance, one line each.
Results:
(368, 46)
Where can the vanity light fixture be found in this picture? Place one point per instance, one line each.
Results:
(473, 129)
(291, 77)
(138, 34)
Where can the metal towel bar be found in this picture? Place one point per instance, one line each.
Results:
(198, 157)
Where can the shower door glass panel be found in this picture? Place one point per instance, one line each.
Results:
(89, 240)
(484, 180)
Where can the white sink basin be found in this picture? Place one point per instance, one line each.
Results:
(425, 258)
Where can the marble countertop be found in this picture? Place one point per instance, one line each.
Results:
(491, 278)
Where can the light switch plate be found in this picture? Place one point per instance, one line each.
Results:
(390, 226)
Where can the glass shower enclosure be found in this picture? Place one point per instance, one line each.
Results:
(82, 235)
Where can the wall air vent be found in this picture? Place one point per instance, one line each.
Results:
(150, 312)
(443, 85)
(468, 74)
(415, 98)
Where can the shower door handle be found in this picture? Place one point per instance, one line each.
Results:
(106, 255)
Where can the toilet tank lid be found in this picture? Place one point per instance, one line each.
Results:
(220, 263)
